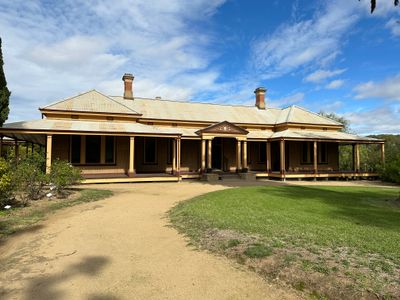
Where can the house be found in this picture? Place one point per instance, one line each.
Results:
(132, 139)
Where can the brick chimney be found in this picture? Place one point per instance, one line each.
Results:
(128, 85)
(260, 97)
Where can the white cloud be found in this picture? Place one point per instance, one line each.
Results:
(321, 75)
(383, 119)
(333, 106)
(394, 25)
(387, 89)
(307, 42)
(335, 84)
(287, 101)
(56, 50)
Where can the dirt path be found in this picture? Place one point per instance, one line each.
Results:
(122, 248)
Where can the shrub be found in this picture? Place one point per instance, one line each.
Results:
(30, 178)
(391, 171)
(63, 175)
(5, 183)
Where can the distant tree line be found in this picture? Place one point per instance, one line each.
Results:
(370, 155)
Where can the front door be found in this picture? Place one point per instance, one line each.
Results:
(216, 161)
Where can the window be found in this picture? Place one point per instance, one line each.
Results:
(93, 149)
(150, 151)
(322, 153)
(170, 151)
(306, 152)
(262, 154)
(110, 149)
(75, 149)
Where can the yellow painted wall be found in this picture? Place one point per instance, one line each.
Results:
(254, 163)
(191, 160)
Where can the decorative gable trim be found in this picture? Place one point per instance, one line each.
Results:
(224, 127)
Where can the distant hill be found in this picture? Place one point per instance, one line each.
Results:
(389, 138)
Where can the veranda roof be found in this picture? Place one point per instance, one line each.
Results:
(322, 135)
(295, 135)
(34, 131)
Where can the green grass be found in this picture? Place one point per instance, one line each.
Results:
(258, 251)
(316, 239)
(364, 219)
(19, 219)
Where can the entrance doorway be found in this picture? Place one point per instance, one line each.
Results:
(223, 154)
(217, 154)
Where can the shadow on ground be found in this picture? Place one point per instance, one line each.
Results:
(363, 206)
(46, 287)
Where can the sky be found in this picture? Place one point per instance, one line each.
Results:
(331, 56)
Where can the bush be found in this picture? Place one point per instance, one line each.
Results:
(391, 171)
(5, 183)
(30, 178)
(63, 175)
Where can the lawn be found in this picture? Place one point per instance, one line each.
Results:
(338, 231)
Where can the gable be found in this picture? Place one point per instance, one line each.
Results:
(295, 114)
(224, 127)
(90, 102)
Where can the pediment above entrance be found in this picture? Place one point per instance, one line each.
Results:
(223, 128)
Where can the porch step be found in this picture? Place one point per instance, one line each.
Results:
(229, 176)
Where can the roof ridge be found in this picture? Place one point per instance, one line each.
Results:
(115, 101)
(197, 102)
(282, 111)
(289, 113)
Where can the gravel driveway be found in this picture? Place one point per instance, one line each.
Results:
(122, 248)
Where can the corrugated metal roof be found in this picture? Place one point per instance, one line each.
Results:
(296, 114)
(201, 112)
(89, 126)
(91, 101)
(94, 101)
(138, 128)
(207, 112)
(326, 135)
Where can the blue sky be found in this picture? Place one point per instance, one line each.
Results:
(323, 55)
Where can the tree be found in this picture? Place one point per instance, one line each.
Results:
(4, 93)
(373, 4)
(337, 118)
